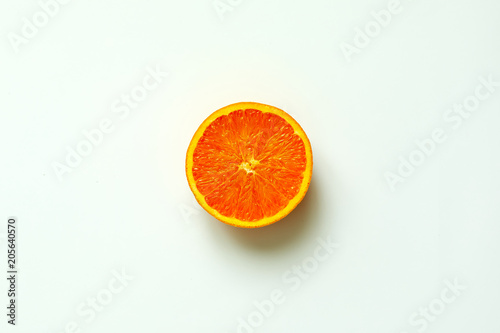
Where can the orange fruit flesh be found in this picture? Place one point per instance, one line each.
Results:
(249, 164)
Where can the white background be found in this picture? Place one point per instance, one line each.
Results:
(127, 205)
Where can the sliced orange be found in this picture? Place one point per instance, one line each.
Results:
(249, 164)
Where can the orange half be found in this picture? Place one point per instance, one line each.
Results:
(249, 164)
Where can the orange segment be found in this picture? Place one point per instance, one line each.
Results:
(249, 164)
